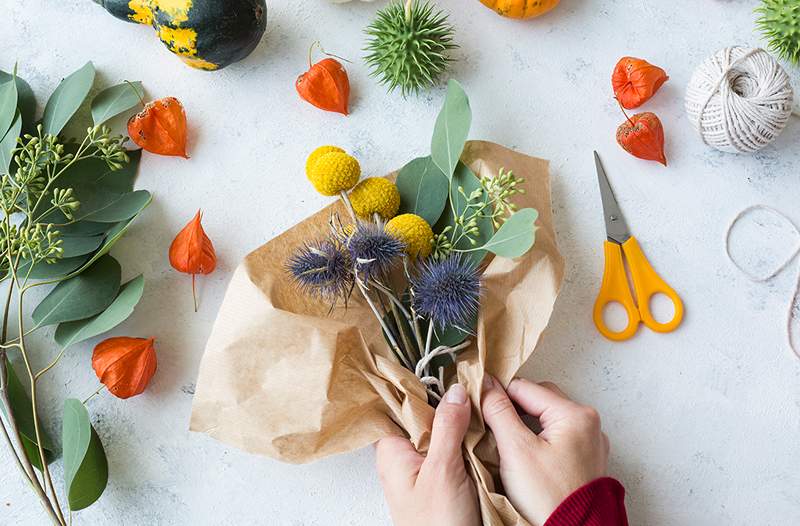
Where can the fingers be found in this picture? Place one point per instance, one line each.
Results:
(538, 399)
(500, 415)
(449, 427)
(398, 463)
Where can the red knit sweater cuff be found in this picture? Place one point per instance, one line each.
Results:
(598, 503)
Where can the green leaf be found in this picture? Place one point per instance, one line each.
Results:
(73, 332)
(82, 229)
(127, 206)
(94, 185)
(26, 100)
(85, 463)
(116, 99)
(82, 296)
(464, 178)
(8, 105)
(423, 189)
(67, 98)
(451, 130)
(79, 246)
(114, 234)
(516, 236)
(23, 414)
(43, 270)
(8, 143)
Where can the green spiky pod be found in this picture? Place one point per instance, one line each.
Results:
(409, 46)
(780, 24)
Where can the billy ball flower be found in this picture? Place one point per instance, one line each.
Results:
(316, 154)
(375, 195)
(322, 269)
(447, 292)
(414, 232)
(334, 172)
(373, 250)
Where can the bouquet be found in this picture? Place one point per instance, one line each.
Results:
(349, 326)
(412, 249)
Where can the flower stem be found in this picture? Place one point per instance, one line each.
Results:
(386, 331)
(194, 291)
(94, 394)
(348, 205)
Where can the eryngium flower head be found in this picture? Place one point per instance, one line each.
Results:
(322, 269)
(447, 292)
(373, 250)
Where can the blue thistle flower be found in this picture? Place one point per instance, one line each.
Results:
(322, 269)
(373, 250)
(447, 292)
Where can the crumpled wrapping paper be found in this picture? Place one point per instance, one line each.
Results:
(282, 377)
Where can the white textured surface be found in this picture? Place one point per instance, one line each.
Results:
(704, 422)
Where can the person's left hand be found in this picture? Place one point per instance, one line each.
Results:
(432, 489)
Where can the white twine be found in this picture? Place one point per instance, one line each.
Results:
(767, 277)
(739, 99)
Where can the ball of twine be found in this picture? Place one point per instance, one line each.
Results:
(739, 99)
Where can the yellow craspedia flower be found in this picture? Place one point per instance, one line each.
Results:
(375, 195)
(414, 231)
(335, 172)
(316, 154)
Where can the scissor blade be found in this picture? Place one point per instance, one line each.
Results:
(616, 227)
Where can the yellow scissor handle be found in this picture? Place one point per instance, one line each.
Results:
(615, 289)
(647, 284)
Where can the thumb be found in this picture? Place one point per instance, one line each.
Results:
(398, 464)
(449, 427)
(501, 416)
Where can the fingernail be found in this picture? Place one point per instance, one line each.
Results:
(488, 381)
(456, 395)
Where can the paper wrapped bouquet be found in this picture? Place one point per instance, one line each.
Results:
(290, 375)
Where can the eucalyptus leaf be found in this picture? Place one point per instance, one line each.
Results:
(423, 189)
(73, 332)
(114, 234)
(82, 229)
(127, 206)
(23, 415)
(115, 100)
(26, 100)
(81, 296)
(43, 270)
(516, 236)
(85, 463)
(8, 105)
(67, 98)
(79, 246)
(94, 185)
(466, 179)
(8, 143)
(452, 129)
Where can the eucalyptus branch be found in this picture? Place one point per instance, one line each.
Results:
(34, 409)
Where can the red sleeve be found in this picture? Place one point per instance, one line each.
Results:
(598, 503)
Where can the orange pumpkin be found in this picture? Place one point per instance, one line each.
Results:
(521, 8)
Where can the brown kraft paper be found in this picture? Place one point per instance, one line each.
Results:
(282, 377)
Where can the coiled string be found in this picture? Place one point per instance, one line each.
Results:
(767, 277)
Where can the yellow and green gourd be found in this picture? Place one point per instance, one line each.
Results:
(205, 34)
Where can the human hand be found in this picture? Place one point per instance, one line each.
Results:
(432, 489)
(540, 471)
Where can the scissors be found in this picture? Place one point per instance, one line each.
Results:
(615, 287)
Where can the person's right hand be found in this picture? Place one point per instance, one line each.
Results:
(540, 471)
